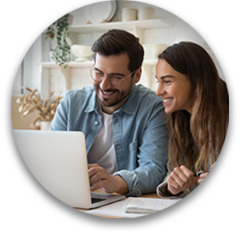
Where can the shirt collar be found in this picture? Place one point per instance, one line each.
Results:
(93, 103)
(130, 105)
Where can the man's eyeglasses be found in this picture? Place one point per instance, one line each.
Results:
(116, 80)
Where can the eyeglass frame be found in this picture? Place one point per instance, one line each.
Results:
(109, 75)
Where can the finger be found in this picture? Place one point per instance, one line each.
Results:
(96, 185)
(188, 173)
(200, 180)
(182, 173)
(189, 178)
(92, 165)
(174, 181)
(173, 190)
(98, 176)
(202, 177)
(212, 166)
(180, 183)
(173, 186)
(92, 171)
(181, 178)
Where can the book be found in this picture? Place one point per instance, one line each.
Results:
(147, 205)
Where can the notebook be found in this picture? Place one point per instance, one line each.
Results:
(147, 205)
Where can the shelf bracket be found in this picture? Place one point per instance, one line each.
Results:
(138, 31)
(66, 74)
(148, 69)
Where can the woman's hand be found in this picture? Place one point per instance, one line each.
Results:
(204, 174)
(180, 179)
(202, 177)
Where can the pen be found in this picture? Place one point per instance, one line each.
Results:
(199, 173)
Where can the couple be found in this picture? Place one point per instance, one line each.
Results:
(133, 136)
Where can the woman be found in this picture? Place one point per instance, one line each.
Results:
(197, 104)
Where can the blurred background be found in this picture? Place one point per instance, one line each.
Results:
(155, 27)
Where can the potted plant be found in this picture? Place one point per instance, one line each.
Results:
(59, 31)
(32, 102)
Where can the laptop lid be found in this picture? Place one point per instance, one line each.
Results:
(57, 159)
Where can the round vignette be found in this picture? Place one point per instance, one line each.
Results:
(170, 207)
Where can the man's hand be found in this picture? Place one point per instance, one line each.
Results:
(100, 178)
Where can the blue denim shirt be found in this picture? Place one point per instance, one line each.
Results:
(139, 132)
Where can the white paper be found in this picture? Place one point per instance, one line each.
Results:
(147, 205)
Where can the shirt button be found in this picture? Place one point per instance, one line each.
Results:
(96, 122)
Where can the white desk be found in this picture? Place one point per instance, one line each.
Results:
(114, 210)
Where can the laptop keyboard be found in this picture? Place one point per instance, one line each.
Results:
(95, 200)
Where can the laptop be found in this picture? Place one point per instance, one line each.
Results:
(58, 160)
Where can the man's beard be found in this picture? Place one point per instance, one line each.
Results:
(105, 101)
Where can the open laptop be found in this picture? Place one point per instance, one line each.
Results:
(58, 160)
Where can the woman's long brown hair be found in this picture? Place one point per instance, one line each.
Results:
(196, 139)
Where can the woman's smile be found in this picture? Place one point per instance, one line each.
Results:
(173, 87)
(167, 101)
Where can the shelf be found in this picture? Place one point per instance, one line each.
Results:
(147, 66)
(150, 62)
(146, 24)
(86, 64)
(70, 64)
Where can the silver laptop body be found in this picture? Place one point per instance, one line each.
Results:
(58, 160)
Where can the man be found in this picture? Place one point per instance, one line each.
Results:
(124, 124)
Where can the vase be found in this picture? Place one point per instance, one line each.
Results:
(45, 125)
(129, 14)
(145, 13)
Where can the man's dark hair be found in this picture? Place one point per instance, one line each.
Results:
(116, 42)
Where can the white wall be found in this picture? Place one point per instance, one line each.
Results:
(80, 77)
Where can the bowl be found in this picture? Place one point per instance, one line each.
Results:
(82, 52)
